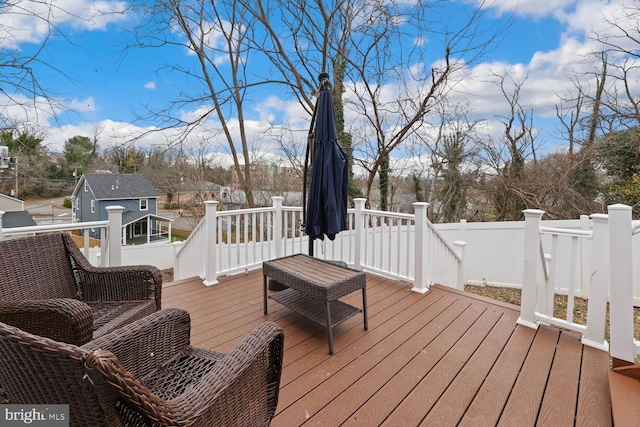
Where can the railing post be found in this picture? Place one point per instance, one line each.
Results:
(621, 284)
(114, 239)
(599, 286)
(358, 223)
(211, 224)
(463, 230)
(420, 275)
(277, 227)
(533, 219)
(461, 279)
(585, 258)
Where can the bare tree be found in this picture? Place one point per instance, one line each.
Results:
(368, 45)
(395, 121)
(507, 155)
(374, 49)
(220, 37)
(619, 46)
(26, 29)
(580, 116)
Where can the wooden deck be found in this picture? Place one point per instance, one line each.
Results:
(445, 358)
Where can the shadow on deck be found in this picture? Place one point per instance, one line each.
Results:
(440, 359)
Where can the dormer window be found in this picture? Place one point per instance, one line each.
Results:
(93, 206)
(86, 186)
(144, 204)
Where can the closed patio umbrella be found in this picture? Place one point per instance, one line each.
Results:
(326, 213)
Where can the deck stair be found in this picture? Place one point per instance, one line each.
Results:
(624, 387)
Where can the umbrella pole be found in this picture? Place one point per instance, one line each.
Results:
(324, 83)
(308, 155)
(304, 188)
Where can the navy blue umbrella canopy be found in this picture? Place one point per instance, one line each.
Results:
(329, 187)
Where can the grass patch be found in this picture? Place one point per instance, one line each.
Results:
(580, 305)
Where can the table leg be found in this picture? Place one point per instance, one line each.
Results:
(364, 308)
(264, 293)
(329, 327)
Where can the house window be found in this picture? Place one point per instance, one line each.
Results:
(93, 206)
(144, 204)
(86, 186)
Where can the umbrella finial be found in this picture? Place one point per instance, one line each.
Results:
(324, 80)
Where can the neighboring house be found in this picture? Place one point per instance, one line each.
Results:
(8, 203)
(140, 222)
(14, 214)
(12, 219)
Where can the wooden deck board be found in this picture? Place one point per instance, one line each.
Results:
(624, 399)
(557, 409)
(439, 359)
(451, 407)
(526, 396)
(594, 400)
(449, 360)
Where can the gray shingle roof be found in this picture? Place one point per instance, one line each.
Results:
(114, 186)
(12, 219)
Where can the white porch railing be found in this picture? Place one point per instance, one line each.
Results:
(585, 258)
(402, 246)
(551, 266)
(613, 242)
(110, 241)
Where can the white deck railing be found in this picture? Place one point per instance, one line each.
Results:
(591, 258)
(110, 234)
(402, 246)
(552, 265)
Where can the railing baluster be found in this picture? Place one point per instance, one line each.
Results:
(572, 279)
(547, 301)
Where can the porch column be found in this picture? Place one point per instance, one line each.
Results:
(277, 227)
(211, 234)
(358, 224)
(114, 239)
(532, 221)
(621, 284)
(1, 213)
(420, 275)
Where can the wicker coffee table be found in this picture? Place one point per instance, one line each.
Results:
(314, 287)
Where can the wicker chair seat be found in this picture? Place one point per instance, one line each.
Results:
(147, 374)
(109, 316)
(48, 288)
(180, 372)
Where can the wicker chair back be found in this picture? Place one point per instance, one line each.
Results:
(34, 268)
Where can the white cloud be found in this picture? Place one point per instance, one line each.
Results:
(536, 8)
(28, 21)
(83, 105)
(150, 85)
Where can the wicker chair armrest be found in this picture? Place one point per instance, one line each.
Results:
(61, 319)
(147, 343)
(128, 283)
(241, 388)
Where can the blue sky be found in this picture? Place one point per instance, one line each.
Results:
(102, 90)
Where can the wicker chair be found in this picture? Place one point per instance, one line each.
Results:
(48, 288)
(146, 373)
